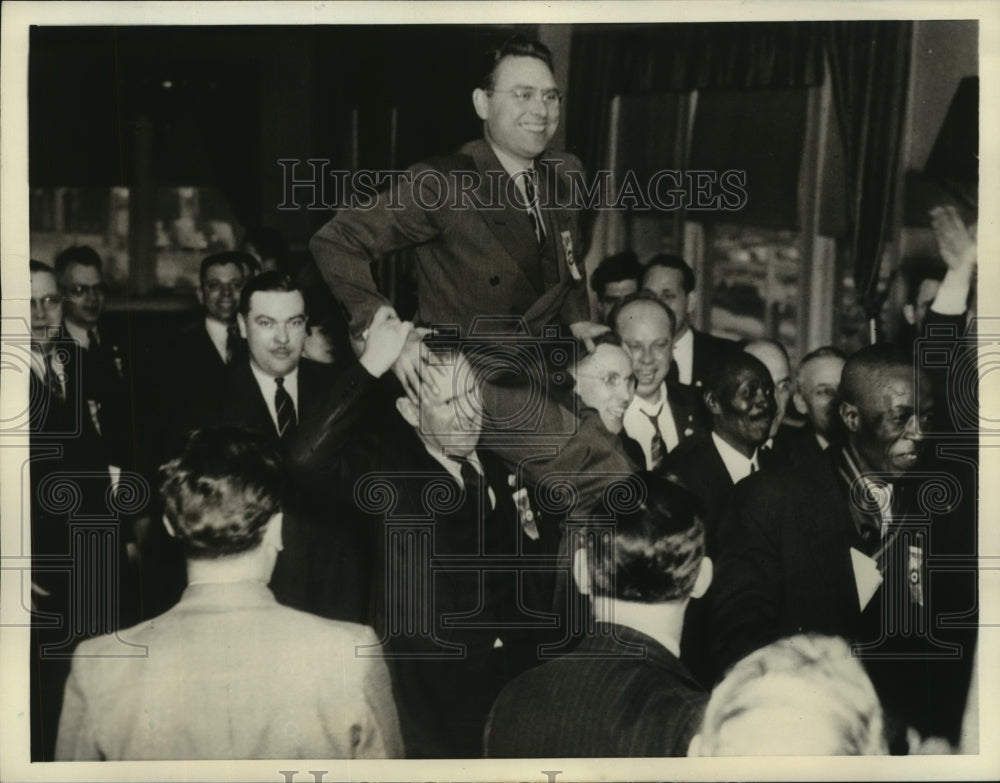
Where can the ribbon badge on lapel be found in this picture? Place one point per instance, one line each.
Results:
(567, 241)
(525, 515)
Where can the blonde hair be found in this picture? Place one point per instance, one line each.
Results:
(811, 679)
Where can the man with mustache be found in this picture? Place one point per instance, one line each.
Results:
(823, 549)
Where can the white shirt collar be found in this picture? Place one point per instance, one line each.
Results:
(268, 386)
(218, 333)
(79, 333)
(640, 428)
(454, 468)
(824, 444)
(738, 466)
(684, 357)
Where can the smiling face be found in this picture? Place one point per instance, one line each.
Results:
(275, 330)
(743, 407)
(605, 382)
(220, 291)
(521, 129)
(83, 289)
(885, 427)
(646, 334)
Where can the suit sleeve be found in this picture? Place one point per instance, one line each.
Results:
(748, 577)
(314, 455)
(347, 245)
(75, 740)
(383, 738)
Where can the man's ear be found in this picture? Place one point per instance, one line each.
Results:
(910, 314)
(170, 528)
(481, 103)
(851, 416)
(581, 571)
(408, 411)
(273, 534)
(800, 403)
(711, 403)
(704, 578)
(243, 325)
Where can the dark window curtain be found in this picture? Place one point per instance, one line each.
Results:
(610, 60)
(869, 72)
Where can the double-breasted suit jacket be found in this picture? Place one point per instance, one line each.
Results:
(476, 250)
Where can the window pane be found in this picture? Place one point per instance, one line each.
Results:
(755, 282)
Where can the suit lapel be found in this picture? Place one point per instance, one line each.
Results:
(509, 224)
(245, 403)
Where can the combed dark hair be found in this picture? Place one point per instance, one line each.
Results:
(38, 266)
(515, 46)
(221, 491)
(642, 296)
(865, 367)
(658, 544)
(669, 261)
(77, 254)
(267, 281)
(235, 257)
(614, 269)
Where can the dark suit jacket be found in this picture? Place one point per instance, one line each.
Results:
(698, 464)
(599, 701)
(446, 668)
(476, 259)
(785, 568)
(324, 566)
(795, 445)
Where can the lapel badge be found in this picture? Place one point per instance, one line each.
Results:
(567, 242)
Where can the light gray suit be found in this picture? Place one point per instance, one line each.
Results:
(230, 674)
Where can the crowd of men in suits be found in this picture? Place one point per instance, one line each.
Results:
(532, 543)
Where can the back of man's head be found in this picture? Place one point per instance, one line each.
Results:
(221, 491)
(804, 695)
(659, 543)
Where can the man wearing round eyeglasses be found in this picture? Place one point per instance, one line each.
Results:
(487, 224)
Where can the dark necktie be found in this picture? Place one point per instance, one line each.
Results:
(55, 381)
(657, 448)
(232, 336)
(534, 209)
(472, 481)
(92, 342)
(284, 407)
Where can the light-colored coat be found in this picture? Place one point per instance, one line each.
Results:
(230, 674)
